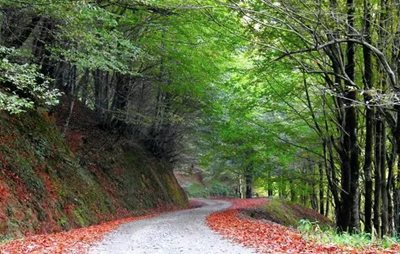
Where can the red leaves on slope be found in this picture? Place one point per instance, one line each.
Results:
(269, 237)
(74, 241)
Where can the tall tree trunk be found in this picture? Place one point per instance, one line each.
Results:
(384, 196)
(390, 185)
(383, 36)
(396, 190)
(377, 174)
(369, 121)
(350, 220)
(339, 194)
(396, 128)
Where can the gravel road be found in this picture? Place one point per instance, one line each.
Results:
(171, 233)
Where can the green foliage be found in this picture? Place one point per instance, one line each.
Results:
(196, 190)
(258, 119)
(63, 222)
(211, 189)
(22, 86)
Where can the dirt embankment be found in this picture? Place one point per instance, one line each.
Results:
(49, 183)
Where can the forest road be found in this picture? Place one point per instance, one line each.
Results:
(171, 233)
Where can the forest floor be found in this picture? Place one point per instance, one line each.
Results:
(266, 236)
(211, 226)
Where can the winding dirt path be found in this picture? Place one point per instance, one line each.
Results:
(171, 233)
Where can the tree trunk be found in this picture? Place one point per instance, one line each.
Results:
(100, 94)
(384, 196)
(390, 186)
(383, 34)
(369, 121)
(328, 197)
(120, 102)
(396, 128)
(396, 191)
(377, 173)
(321, 189)
(249, 181)
(351, 127)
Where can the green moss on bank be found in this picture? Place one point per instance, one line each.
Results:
(288, 214)
(45, 187)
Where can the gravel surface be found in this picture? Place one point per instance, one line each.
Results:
(171, 233)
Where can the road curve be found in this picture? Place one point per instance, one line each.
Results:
(171, 233)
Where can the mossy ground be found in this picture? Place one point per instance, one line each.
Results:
(48, 184)
(286, 213)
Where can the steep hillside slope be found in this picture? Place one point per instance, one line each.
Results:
(47, 184)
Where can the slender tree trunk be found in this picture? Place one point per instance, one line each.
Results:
(314, 197)
(270, 186)
(377, 174)
(391, 186)
(368, 170)
(369, 121)
(328, 198)
(384, 196)
(120, 102)
(397, 180)
(396, 128)
(72, 97)
(321, 189)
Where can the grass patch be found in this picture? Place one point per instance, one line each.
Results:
(312, 231)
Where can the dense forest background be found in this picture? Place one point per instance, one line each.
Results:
(297, 99)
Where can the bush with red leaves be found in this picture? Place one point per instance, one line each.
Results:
(269, 237)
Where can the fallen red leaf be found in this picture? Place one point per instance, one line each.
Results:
(269, 237)
(73, 241)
